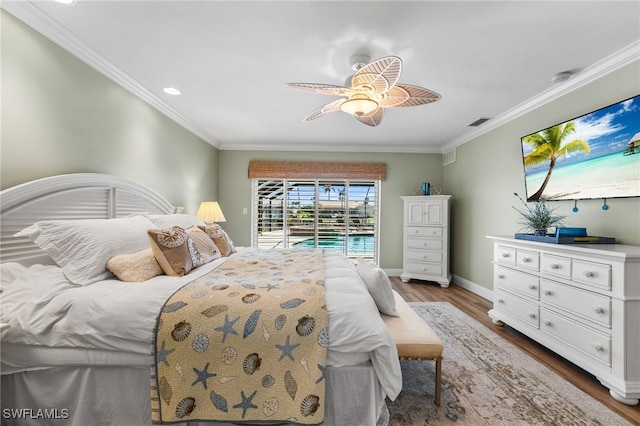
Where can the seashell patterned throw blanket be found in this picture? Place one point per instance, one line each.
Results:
(246, 342)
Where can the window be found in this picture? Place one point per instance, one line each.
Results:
(333, 214)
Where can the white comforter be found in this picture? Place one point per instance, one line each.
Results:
(44, 310)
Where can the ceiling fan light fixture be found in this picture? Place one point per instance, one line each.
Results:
(359, 105)
(369, 91)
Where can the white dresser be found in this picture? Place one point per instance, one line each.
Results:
(426, 239)
(581, 301)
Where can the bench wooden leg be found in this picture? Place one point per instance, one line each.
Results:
(438, 380)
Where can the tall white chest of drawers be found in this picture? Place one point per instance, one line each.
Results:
(426, 239)
(580, 300)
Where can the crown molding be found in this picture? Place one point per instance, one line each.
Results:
(330, 147)
(609, 64)
(35, 18)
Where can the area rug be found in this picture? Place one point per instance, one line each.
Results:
(487, 381)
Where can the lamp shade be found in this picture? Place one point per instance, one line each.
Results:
(210, 212)
(358, 105)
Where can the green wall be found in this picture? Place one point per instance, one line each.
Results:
(489, 170)
(61, 116)
(405, 172)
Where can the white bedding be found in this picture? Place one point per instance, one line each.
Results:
(111, 322)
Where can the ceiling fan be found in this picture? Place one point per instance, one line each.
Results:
(373, 88)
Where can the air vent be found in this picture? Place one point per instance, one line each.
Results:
(449, 157)
(479, 121)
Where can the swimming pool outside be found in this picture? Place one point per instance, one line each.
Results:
(358, 243)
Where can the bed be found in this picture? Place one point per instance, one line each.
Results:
(81, 353)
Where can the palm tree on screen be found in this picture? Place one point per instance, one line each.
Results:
(548, 146)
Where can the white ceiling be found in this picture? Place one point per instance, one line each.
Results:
(231, 60)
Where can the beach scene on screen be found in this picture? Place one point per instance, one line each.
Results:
(596, 155)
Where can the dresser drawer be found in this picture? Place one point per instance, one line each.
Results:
(528, 259)
(425, 231)
(424, 256)
(516, 307)
(424, 243)
(505, 254)
(594, 307)
(556, 265)
(424, 268)
(591, 273)
(520, 282)
(589, 341)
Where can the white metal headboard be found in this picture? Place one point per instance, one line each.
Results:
(71, 196)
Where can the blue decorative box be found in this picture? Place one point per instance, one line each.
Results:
(571, 232)
(554, 239)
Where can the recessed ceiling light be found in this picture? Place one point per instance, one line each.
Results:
(171, 91)
(561, 77)
(68, 2)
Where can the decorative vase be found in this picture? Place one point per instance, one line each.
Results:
(540, 232)
(426, 188)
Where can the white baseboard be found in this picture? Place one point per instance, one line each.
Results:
(473, 287)
(457, 280)
(393, 272)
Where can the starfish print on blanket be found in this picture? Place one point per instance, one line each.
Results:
(202, 375)
(287, 349)
(246, 402)
(227, 328)
(163, 353)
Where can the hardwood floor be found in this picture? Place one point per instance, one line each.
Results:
(477, 308)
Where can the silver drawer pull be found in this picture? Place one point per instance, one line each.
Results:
(598, 347)
(532, 287)
(532, 315)
(554, 266)
(598, 310)
(588, 274)
(501, 277)
(506, 255)
(547, 293)
(500, 300)
(526, 259)
(547, 323)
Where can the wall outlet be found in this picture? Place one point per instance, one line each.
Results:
(244, 210)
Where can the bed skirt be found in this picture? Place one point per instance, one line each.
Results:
(88, 395)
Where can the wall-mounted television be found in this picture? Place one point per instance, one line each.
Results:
(593, 156)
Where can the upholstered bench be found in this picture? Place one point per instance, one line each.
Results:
(414, 338)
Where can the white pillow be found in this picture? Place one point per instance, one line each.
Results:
(83, 247)
(379, 287)
(184, 221)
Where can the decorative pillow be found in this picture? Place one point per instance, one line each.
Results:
(184, 221)
(135, 267)
(379, 287)
(83, 247)
(205, 245)
(174, 250)
(220, 238)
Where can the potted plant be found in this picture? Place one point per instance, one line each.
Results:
(538, 218)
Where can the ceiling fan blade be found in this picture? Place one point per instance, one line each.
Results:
(417, 96)
(372, 119)
(394, 97)
(324, 110)
(325, 89)
(382, 73)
